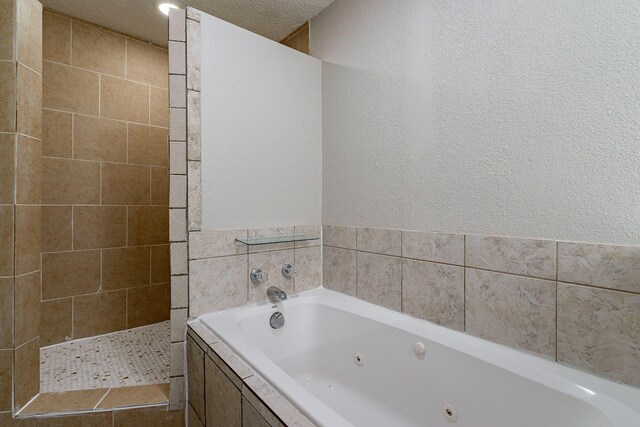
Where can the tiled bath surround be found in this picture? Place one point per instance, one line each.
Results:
(576, 303)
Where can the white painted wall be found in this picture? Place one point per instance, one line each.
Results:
(261, 131)
(505, 117)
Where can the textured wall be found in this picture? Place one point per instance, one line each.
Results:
(105, 217)
(510, 118)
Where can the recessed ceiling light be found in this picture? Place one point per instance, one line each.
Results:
(165, 7)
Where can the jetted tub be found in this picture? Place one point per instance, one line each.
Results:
(345, 362)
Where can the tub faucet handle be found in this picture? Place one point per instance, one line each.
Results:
(289, 271)
(258, 276)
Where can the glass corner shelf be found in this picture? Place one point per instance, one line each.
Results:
(282, 238)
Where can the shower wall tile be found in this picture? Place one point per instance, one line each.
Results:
(159, 186)
(56, 40)
(68, 88)
(379, 279)
(96, 227)
(339, 236)
(28, 170)
(159, 107)
(599, 331)
(56, 228)
(7, 30)
(516, 311)
(177, 26)
(528, 257)
(57, 133)
(124, 100)
(339, 270)
(178, 92)
(95, 138)
(380, 241)
(312, 230)
(97, 49)
(147, 145)
(125, 184)
(147, 225)
(147, 63)
(29, 34)
(66, 182)
(433, 292)
(438, 247)
(27, 372)
(29, 102)
(177, 58)
(193, 125)
(140, 312)
(7, 97)
(217, 284)
(7, 239)
(7, 168)
(6, 379)
(194, 210)
(193, 53)
(178, 225)
(216, 243)
(27, 239)
(56, 321)
(125, 268)
(178, 158)
(98, 314)
(308, 261)
(179, 292)
(607, 266)
(66, 274)
(179, 260)
(160, 264)
(178, 191)
(178, 124)
(6, 312)
(178, 323)
(27, 307)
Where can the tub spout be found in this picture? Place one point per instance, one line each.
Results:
(276, 294)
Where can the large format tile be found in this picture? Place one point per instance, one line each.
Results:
(215, 243)
(7, 96)
(124, 100)
(147, 305)
(7, 167)
(147, 145)
(66, 182)
(379, 241)
(99, 313)
(56, 38)
(434, 292)
(66, 274)
(159, 186)
(516, 311)
(7, 30)
(27, 239)
(156, 416)
(29, 102)
(57, 129)
(148, 225)
(6, 379)
(97, 49)
(95, 138)
(69, 89)
(96, 227)
(6, 237)
(159, 107)
(195, 371)
(28, 171)
(95, 419)
(379, 279)
(29, 31)
(271, 263)
(125, 267)
(430, 246)
(160, 264)
(56, 228)
(527, 257)
(27, 307)
(147, 63)
(308, 261)
(217, 284)
(607, 266)
(6, 312)
(126, 184)
(223, 403)
(599, 331)
(339, 270)
(55, 321)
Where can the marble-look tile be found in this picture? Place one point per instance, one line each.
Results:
(193, 54)
(179, 292)
(270, 231)
(379, 279)
(193, 14)
(599, 331)
(339, 270)
(223, 403)
(607, 266)
(434, 292)
(195, 196)
(308, 261)
(289, 415)
(312, 230)
(515, 311)
(431, 246)
(379, 241)
(179, 261)
(177, 23)
(193, 125)
(339, 236)
(216, 243)
(217, 284)
(271, 263)
(178, 225)
(178, 158)
(527, 257)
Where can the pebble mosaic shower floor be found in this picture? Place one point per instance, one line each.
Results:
(121, 359)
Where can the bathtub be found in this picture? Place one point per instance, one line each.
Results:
(345, 362)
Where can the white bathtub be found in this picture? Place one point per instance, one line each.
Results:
(311, 361)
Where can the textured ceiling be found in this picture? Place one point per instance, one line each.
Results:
(273, 19)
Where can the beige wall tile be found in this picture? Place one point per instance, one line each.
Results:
(98, 419)
(223, 403)
(56, 133)
(56, 228)
(29, 171)
(512, 310)
(271, 263)
(379, 279)
(98, 314)
(69, 89)
(147, 145)
(258, 232)
(178, 191)
(607, 266)
(178, 258)
(7, 171)
(56, 38)
(308, 261)
(160, 267)
(148, 225)
(157, 416)
(6, 237)
(528, 257)
(96, 227)
(76, 400)
(148, 305)
(194, 133)
(194, 194)
(342, 237)
(177, 124)
(159, 107)
(177, 21)
(135, 395)
(7, 29)
(177, 91)
(178, 321)
(7, 96)
(6, 379)
(147, 63)
(179, 292)
(125, 267)
(312, 230)
(214, 243)
(125, 184)
(65, 274)
(159, 186)
(97, 49)
(599, 331)
(380, 241)
(437, 247)
(124, 100)
(70, 181)
(6, 313)
(95, 138)
(27, 372)
(339, 270)
(434, 292)
(27, 307)
(195, 371)
(217, 284)
(6, 418)
(27, 239)
(29, 34)
(55, 321)
(177, 57)
(178, 158)
(29, 102)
